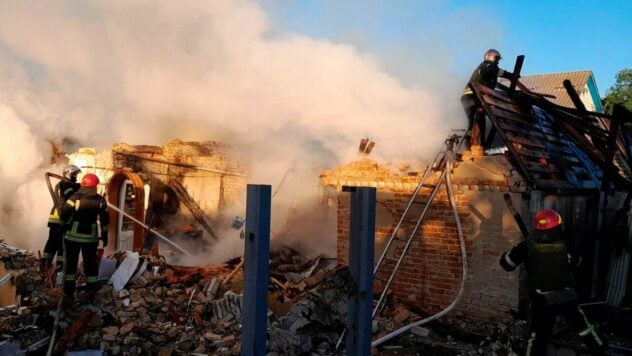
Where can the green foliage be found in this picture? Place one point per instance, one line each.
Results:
(620, 92)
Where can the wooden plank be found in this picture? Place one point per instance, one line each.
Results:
(531, 132)
(553, 184)
(523, 141)
(508, 115)
(531, 155)
(489, 100)
(510, 145)
(540, 168)
(516, 73)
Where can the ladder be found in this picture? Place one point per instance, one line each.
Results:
(437, 165)
(454, 139)
(193, 207)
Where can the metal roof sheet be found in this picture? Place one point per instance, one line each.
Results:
(553, 84)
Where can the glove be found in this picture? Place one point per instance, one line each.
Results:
(104, 239)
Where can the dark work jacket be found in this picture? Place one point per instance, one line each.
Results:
(487, 74)
(64, 190)
(80, 214)
(549, 264)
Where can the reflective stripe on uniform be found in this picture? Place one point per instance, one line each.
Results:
(530, 344)
(91, 279)
(500, 73)
(467, 91)
(77, 204)
(509, 261)
(69, 190)
(590, 329)
(70, 277)
(60, 259)
(47, 255)
(70, 202)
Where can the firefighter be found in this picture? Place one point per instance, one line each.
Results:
(486, 74)
(64, 190)
(551, 284)
(80, 214)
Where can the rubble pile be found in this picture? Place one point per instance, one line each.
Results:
(160, 309)
(166, 309)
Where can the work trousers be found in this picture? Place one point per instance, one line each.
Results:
(543, 319)
(90, 268)
(54, 245)
(476, 120)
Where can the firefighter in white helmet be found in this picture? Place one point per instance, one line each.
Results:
(486, 74)
(64, 190)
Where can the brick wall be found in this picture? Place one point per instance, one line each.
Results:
(431, 273)
(210, 190)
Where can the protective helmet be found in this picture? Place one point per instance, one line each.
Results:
(89, 180)
(71, 170)
(492, 55)
(547, 219)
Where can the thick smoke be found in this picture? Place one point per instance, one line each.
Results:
(144, 72)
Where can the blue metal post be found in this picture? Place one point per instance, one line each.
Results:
(361, 250)
(256, 258)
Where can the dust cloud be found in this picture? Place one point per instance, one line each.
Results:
(145, 72)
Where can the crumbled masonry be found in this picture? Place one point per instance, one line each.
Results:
(188, 310)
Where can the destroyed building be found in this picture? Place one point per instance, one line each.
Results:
(553, 156)
(194, 180)
(566, 158)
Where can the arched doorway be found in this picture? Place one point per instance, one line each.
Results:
(126, 191)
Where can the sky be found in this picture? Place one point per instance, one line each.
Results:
(292, 85)
(555, 36)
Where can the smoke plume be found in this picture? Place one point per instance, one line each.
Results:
(143, 72)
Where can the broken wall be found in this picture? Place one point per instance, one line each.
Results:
(431, 272)
(211, 177)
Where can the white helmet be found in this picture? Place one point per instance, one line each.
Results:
(492, 55)
(71, 171)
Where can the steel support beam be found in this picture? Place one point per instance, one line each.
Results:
(256, 270)
(361, 253)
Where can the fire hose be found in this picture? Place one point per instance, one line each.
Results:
(448, 167)
(149, 229)
(57, 202)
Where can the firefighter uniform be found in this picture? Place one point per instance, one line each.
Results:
(486, 74)
(80, 214)
(64, 190)
(551, 287)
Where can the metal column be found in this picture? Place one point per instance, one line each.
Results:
(361, 252)
(256, 258)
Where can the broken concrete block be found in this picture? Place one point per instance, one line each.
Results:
(419, 331)
(212, 336)
(316, 278)
(109, 337)
(401, 314)
(126, 329)
(213, 288)
(166, 351)
(111, 330)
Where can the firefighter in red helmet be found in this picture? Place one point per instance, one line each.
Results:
(551, 284)
(80, 215)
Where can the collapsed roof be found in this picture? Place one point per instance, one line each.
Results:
(556, 147)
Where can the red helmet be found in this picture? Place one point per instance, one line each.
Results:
(89, 180)
(547, 219)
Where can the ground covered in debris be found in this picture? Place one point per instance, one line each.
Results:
(161, 309)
